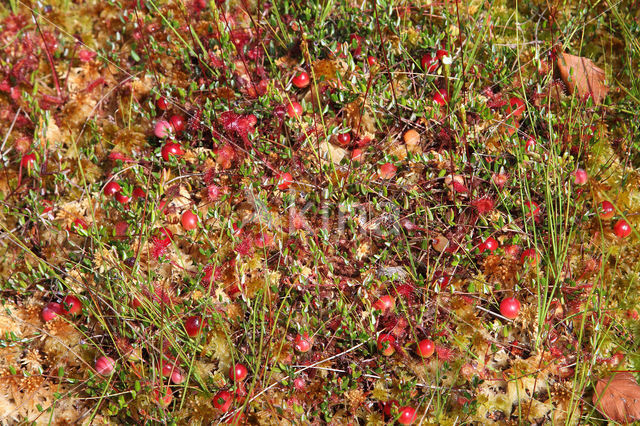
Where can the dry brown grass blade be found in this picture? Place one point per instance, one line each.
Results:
(582, 75)
(618, 398)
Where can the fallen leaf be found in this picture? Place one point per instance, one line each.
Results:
(582, 75)
(331, 152)
(618, 398)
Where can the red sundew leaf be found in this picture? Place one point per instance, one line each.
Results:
(239, 38)
(14, 23)
(214, 192)
(209, 175)
(159, 246)
(406, 290)
(226, 155)
(86, 55)
(245, 247)
(458, 187)
(483, 205)
(115, 155)
(618, 397)
(445, 354)
(211, 274)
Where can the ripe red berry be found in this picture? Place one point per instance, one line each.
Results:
(163, 395)
(302, 342)
(222, 400)
(284, 180)
(171, 149)
(426, 348)
(607, 210)
(105, 365)
(193, 325)
(407, 415)
(429, 63)
(490, 244)
(510, 307)
(167, 368)
(177, 377)
(111, 188)
(294, 109)
(177, 122)
(372, 60)
(122, 199)
(51, 310)
(139, 192)
(388, 407)
(531, 256)
(441, 97)
(530, 145)
(161, 103)
(162, 129)
(28, 161)
(71, 305)
(238, 372)
(531, 208)
(441, 53)
(301, 80)
(386, 344)
(622, 229)
(344, 138)
(385, 303)
(189, 220)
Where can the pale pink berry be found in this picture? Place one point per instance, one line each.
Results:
(105, 365)
(162, 129)
(580, 177)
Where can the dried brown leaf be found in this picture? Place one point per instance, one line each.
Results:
(582, 75)
(618, 398)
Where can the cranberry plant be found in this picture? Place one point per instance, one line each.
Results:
(255, 212)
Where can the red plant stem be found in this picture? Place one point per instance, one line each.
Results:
(56, 82)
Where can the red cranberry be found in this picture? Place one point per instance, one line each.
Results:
(385, 303)
(189, 220)
(301, 80)
(238, 372)
(302, 343)
(622, 229)
(171, 149)
(407, 416)
(161, 103)
(193, 325)
(177, 122)
(344, 138)
(510, 307)
(426, 348)
(71, 305)
(222, 400)
(441, 97)
(51, 310)
(294, 109)
(111, 188)
(607, 210)
(386, 344)
(28, 161)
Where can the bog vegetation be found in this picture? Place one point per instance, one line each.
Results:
(333, 211)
